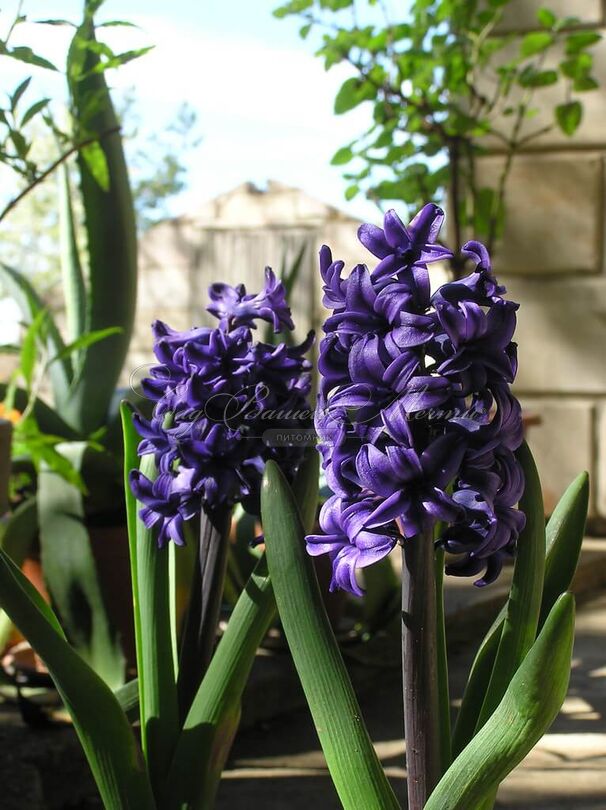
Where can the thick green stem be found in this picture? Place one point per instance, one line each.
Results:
(420, 669)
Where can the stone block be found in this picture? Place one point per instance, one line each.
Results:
(601, 461)
(170, 243)
(561, 336)
(562, 443)
(591, 130)
(554, 213)
(521, 15)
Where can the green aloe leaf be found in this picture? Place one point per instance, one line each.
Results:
(213, 719)
(17, 535)
(74, 288)
(528, 708)
(354, 766)
(155, 646)
(70, 570)
(108, 741)
(564, 538)
(30, 304)
(110, 230)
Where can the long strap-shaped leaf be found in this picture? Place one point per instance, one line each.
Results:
(110, 229)
(17, 536)
(213, 719)
(528, 708)
(208, 732)
(71, 572)
(564, 539)
(74, 289)
(354, 766)
(155, 662)
(30, 304)
(108, 741)
(524, 603)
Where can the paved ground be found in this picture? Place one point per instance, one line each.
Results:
(279, 765)
(276, 763)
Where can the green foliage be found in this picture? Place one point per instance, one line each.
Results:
(350, 756)
(105, 734)
(70, 570)
(528, 708)
(436, 80)
(564, 534)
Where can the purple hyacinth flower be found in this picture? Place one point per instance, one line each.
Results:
(234, 307)
(416, 421)
(212, 391)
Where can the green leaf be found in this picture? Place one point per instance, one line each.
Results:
(569, 116)
(565, 531)
(17, 536)
(70, 570)
(108, 210)
(86, 340)
(155, 663)
(524, 603)
(528, 708)
(25, 54)
(107, 739)
(119, 59)
(213, 719)
(45, 417)
(342, 156)
(355, 769)
(535, 42)
(351, 93)
(546, 17)
(74, 288)
(127, 696)
(95, 159)
(14, 99)
(530, 77)
(351, 192)
(580, 40)
(32, 111)
(294, 7)
(29, 347)
(18, 287)
(564, 535)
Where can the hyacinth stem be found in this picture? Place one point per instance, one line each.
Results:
(202, 617)
(420, 669)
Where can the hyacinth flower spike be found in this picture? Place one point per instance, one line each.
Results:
(418, 430)
(210, 390)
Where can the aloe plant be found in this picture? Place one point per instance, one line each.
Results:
(83, 368)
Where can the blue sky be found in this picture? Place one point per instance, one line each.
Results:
(264, 101)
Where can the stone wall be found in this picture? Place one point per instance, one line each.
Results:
(231, 239)
(552, 260)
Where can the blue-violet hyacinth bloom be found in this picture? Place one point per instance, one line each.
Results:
(415, 417)
(216, 391)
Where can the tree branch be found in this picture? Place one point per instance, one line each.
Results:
(53, 167)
